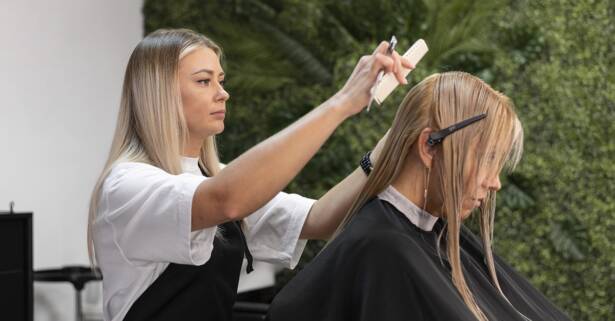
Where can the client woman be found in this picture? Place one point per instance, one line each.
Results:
(402, 252)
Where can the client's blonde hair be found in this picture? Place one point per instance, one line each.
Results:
(437, 102)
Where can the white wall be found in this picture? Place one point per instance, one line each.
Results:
(61, 67)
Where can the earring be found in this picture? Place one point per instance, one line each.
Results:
(427, 176)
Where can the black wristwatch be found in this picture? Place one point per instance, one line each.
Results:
(366, 163)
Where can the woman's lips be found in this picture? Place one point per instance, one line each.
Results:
(219, 114)
(478, 202)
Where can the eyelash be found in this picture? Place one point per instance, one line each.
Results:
(206, 82)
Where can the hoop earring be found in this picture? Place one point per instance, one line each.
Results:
(427, 176)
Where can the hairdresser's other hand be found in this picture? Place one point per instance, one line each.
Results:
(355, 94)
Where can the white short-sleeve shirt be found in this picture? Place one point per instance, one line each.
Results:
(144, 223)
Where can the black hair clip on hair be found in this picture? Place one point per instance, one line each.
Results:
(437, 137)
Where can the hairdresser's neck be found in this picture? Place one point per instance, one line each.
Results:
(192, 148)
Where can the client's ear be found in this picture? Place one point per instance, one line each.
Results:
(426, 152)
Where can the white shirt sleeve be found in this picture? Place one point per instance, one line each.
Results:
(150, 215)
(273, 231)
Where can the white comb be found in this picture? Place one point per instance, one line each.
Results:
(389, 82)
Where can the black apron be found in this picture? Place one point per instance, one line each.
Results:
(189, 292)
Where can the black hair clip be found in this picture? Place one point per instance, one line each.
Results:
(437, 137)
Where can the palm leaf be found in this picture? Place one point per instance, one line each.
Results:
(306, 63)
(514, 198)
(565, 242)
(454, 27)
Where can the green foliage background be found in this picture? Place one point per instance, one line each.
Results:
(554, 58)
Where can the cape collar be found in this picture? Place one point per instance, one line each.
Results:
(417, 216)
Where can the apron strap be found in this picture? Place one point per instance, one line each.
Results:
(246, 250)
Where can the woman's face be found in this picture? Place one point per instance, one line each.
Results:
(478, 183)
(201, 82)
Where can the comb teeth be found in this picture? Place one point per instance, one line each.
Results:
(389, 82)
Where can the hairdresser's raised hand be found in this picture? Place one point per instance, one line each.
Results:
(355, 94)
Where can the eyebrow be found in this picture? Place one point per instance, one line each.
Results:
(209, 71)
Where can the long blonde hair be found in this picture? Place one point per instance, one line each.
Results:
(437, 102)
(150, 126)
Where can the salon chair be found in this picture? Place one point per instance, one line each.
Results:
(78, 276)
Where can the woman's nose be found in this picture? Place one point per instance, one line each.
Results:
(494, 184)
(222, 95)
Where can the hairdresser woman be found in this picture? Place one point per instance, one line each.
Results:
(169, 228)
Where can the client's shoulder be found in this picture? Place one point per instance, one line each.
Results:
(374, 229)
(375, 216)
(381, 251)
(376, 232)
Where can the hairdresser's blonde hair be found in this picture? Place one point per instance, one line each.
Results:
(437, 102)
(150, 126)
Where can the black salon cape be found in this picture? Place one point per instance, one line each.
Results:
(382, 267)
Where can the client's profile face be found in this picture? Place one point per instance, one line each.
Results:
(201, 83)
(479, 182)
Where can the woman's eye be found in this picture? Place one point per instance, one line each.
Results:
(204, 82)
(222, 82)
